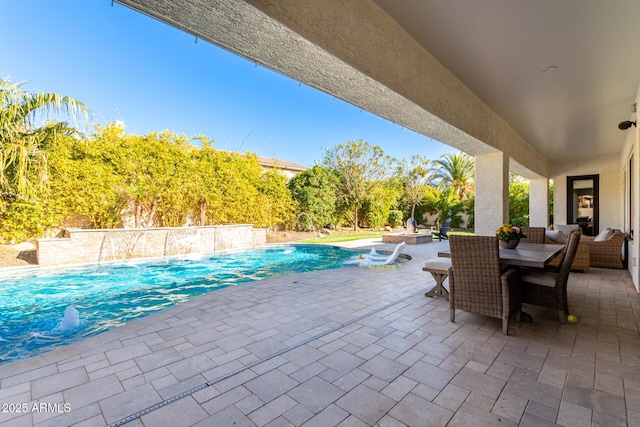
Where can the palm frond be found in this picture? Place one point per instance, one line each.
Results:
(23, 163)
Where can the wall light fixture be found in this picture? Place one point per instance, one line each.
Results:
(626, 125)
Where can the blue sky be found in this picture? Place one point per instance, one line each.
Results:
(126, 66)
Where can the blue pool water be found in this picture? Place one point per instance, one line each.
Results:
(32, 304)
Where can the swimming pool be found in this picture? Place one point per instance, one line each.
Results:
(33, 303)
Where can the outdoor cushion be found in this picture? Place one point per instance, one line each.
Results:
(603, 235)
(566, 228)
(437, 264)
(557, 236)
(540, 277)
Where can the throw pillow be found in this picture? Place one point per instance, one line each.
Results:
(566, 228)
(603, 235)
(556, 236)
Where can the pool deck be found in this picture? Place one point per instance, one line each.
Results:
(346, 347)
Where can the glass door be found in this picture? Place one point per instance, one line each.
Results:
(583, 202)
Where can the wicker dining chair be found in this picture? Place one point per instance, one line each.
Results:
(476, 283)
(548, 288)
(534, 234)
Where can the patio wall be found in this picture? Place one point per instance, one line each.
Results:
(88, 246)
(631, 223)
(611, 187)
(613, 197)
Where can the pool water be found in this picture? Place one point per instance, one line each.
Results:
(32, 304)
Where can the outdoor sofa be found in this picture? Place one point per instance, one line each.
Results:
(605, 249)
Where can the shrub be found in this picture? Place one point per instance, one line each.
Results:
(21, 221)
(395, 218)
(314, 192)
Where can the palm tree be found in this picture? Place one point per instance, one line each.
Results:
(455, 170)
(23, 162)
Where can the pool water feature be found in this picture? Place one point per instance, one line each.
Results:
(33, 302)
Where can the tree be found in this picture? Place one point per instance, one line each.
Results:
(455, 170)
(23, 162)
(84, 185)
(518, 200)
(205, 186)
(152, 173)
(470, 210)
(169, 178)
(237, 176)
(379, 201)
(446, 204)
(416, 177)
(278, 207)
(314, 190)
(358, 167)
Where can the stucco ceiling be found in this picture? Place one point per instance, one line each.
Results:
(500, 48)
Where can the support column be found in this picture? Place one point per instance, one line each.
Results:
(539, 202)
(492, 193)
(560, 199)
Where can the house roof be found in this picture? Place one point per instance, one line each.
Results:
(268, 162)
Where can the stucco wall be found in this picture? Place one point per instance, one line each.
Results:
(611, 187)
(632, 223)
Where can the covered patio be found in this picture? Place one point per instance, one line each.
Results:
(348, 347)
(532, 88)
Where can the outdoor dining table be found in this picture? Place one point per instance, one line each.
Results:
(533, 255)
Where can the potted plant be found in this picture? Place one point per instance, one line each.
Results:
(509, 235)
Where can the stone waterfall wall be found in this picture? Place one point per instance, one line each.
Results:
(85, 246)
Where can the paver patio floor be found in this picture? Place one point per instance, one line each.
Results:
(345, 347)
